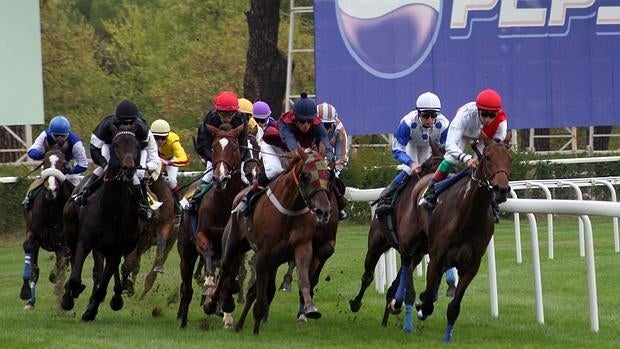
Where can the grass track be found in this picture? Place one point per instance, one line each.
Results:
(564, 291)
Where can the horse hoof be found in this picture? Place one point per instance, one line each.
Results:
(89, 316)
(209, 308)
(395, 307)
(28, 306)
(228, 321)
(312, 313)
(302, 319)
(67, 302)
(159, 269)
(451, 291)
(116, 303)
(447, 336)
(355, 305)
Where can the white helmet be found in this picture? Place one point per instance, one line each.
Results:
(428, 101)
(160, 127)
(327, 112)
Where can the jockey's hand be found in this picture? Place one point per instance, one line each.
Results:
(472, 163)
(417, 168)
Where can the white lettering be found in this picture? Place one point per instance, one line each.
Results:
(461, 9)
(557, 14)
(608, 15)
(511, 16)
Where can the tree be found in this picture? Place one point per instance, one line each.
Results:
(265, 73)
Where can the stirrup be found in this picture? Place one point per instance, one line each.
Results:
(426, 203)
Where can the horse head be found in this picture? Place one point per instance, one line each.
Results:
(124, 155)
(53, 170)
(253, 165)
(226, 156)
(431, 164)
(495, 164)
(312, 178)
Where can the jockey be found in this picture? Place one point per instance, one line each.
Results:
(58, 133)
(485, 114)
(245, 107)
(226, 111)
(300, 127)
(261, 114)
(338, 139)
(126, 113)
(171, 152)
(411, 144)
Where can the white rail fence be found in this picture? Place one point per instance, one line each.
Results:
(385, 272)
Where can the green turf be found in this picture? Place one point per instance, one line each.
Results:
(566, 308)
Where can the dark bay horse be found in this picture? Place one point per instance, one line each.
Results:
(109, 225)
(44, 223)
(161, 230)
(457, 232)
(201, 236)
(387, 232)
(291, 220)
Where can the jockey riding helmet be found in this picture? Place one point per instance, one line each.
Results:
(261, 110)
(245, 106)
(127, 109)
(160, 127)
(489, 100)
(60, 126)
(226, 101)
(304, 108)
(428, 101)
(327, 113)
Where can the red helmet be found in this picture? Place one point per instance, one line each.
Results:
(489, 100)
(226, 101)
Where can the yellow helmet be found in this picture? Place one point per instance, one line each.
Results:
(160, 127)
(245, 106)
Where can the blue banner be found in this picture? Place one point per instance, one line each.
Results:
(555, 63)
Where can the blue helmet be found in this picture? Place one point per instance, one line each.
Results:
(60, 126)
(304, 108)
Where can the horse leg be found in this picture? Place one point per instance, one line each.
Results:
(410, 294)
(162, 245)
(116, 303)
(34, 276)
(150, 278)
(396, 304)
(376, 247)
(454, 307)
(74, 286)
(242, 274)
(29, 247)
(101, 290)
(129, 269)
(303, 259)
(249, 300)
(198, 274)
(209, 271)
(98, 265)
(285, 286)
(188, 255)
(262, 280)
(427, 298)
(62, 261)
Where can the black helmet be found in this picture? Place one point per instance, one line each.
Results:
(127, 109)
(304, 108)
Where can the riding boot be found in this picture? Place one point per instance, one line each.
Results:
(194, 202)
(177, 204)
(89, 187)
(144, 210)
(261, 182)
(430, 198)
(384, 203)
(27, 203)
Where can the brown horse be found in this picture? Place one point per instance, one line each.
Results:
(456, 233)
(107, 225)
(44, 223)
(292, 220)
(202, 235)
(159, 231)
(387, 231)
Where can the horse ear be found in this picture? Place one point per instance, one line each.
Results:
(508, 138)
(435, 149)
(213, 130)
(485, 139)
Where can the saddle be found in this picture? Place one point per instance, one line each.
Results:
(448, 182)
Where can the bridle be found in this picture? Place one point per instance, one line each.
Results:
(122, 171)
(233, 169)
(485, 182)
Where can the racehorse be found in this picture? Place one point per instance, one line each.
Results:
(109, 225)
(202, 235)
(160, 231)
(457, 232)
(291, 220)
(387, 231)
(44, 223)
